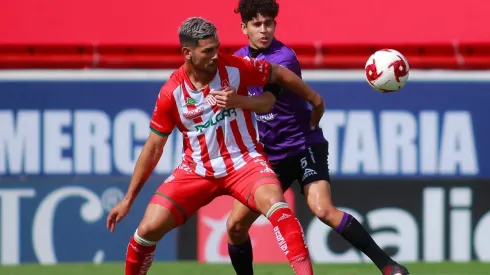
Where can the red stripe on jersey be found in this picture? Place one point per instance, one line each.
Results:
(190, 107)
(187, 147)
(251, 130)
(225, 82)
(205, 92)
(223, 75)
(239, 141)
(205, 156)
(223, 150)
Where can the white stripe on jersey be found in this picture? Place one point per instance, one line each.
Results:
(209, 132)
(188, 124)
(233, 77)
(196, 153)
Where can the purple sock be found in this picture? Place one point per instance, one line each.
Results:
(352, 231)
(241, 256)
(343, 222)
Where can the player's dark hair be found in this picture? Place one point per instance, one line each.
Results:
(194, 29)
(248, 9)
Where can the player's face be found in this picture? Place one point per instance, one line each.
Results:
(260, 31)
(204, 57)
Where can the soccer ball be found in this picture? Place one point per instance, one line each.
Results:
(387, 70)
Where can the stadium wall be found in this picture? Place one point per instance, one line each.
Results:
(411, 165)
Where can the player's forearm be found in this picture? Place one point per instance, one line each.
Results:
(258, 104)
(293, 82)
(147, 161)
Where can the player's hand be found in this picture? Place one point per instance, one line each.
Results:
(317, 112)
(226, 97)
(117, 214)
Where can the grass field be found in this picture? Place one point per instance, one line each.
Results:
(193, 268)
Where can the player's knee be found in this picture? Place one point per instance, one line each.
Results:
(236, 229)
(157, 222)
(267, 195)
(325, 214)
(149, 231)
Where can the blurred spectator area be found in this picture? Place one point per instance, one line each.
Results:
(324, 33)
(467, 56)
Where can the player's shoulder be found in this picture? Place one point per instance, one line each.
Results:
(174, 82)
(283, 53)
(230, 59)
(243, 51)
(239, 62)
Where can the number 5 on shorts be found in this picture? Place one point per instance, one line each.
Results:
(304, 163)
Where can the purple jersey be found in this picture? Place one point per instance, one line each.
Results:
(285, 130)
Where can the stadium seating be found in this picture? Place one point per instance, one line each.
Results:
(466, 56)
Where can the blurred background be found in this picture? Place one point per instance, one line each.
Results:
(78, 82)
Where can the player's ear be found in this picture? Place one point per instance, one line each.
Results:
(244, 28)
(186, 52)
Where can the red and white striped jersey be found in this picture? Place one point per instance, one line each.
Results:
(216, 141)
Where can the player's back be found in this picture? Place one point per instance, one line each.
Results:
(216, 141)
(285, 130)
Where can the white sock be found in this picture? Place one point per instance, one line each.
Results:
(276, 206)
(142, 241)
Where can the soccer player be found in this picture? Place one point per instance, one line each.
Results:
(222, 155)
(295, 150)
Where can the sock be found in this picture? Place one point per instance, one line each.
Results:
(241, 256)
(290, 238)
(354, 233)
(139, 255)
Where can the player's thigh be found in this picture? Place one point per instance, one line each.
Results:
(318, 196)
(255, 185)
(184, 192)
(241, 218)
(315, 180)
(313, 164)
(157, 221)
(287, 171)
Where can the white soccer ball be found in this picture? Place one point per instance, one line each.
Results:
(387, 70)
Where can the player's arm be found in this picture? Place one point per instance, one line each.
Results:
(260, 103)
(288, 79)
(146, 163)
(259, 73)
(161, 125)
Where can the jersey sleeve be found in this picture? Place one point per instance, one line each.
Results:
(163, 120)
(289, 61)
(253, 72)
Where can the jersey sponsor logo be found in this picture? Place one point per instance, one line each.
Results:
(265, 118)
(194, 113)
(190, 101)
(216, 119)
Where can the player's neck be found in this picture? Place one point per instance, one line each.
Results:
(254, 50)
(198, 78)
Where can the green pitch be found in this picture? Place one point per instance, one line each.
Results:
(192, 268)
